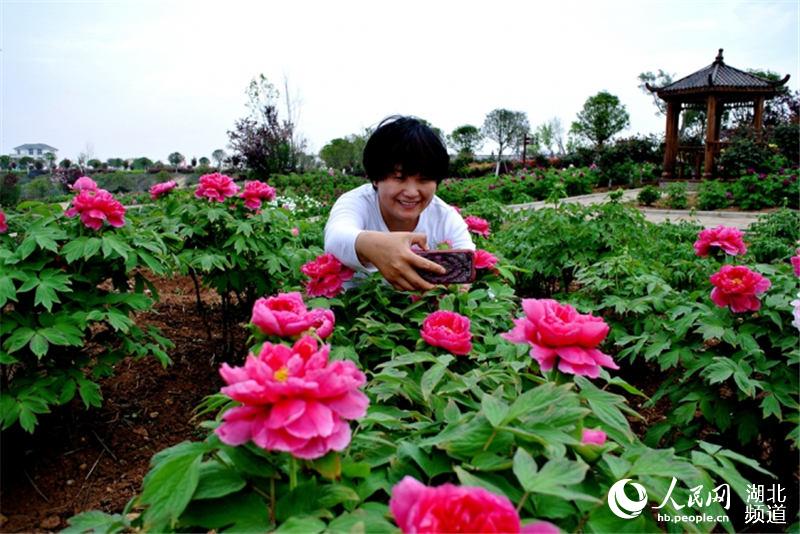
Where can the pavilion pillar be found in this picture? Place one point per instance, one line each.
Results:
(671, 139)
(758, 116)
(712, 136)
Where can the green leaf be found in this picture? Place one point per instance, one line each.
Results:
(7, 290)
(90, 393)
(91, 248)
(468, 479)
(74, 249)
(240, 512)
(19, 339)
(431, 378)
(558, 473)
(216, 480)
(96, 522)
(720, 370)
(301, 525)
(525, 469)
(771, 406)
(110, 243)
(494, 409)
(39, 345)
(169, 486)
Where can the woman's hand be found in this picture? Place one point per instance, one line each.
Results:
(391, 254)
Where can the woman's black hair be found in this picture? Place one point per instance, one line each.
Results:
(406, 143)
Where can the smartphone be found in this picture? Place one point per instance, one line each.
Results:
(460, 265)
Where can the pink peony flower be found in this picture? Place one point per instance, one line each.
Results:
(484, 259)
(726, 238)
(448, 330)
(216, 186)
(96, 206)
(738, 287)
(3, 223)
(255, 192)
(327, 276)
(796, 312)
(421, 509)
(796, 262)
(84, 183)
(295, 231)
(285, 315)
(555, 329)
(477, 225)
(293, 400)
(159, 190)
(593, 436)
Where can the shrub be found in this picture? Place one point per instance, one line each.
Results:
(64, 294)
(758, 190)
(746, 154)
(774, 236)
(41, 188)
(785, 137)
(9, 190)
(677, 197)
(713, 195)
(649, 195)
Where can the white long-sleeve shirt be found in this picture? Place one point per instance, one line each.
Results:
(357, 211)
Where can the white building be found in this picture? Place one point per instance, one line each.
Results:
(33, 150)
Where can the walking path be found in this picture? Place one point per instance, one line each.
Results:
(707, 219)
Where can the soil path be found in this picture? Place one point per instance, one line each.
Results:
(707, 219)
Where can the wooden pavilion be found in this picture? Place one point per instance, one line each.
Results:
(714, 88)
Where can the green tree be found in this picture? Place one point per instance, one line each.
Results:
(345, 153)
(602, 116)
(544, 133)
(94, 163)
(25, 162)
(50, 158)
(175, 159)
(204, 161)
(506, 128)
(65, 163)
(141, 163)
(692, 121)
(5, 162)
(219, 156)
(117, 163)
(465, 140)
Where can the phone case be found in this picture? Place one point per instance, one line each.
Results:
(460, 265)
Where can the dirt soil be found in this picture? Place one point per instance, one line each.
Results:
(80, 460)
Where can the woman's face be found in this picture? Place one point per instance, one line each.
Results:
(402, 199)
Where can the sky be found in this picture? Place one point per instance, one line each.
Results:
(132, 78)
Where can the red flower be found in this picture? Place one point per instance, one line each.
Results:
(477, 225)
(726, 238)
(738, 287)
(285, 315)
(84, 183)
(294, 400)
(255, 192)
(326, 276)
(484, 259)
(421, 509)
(558, 330)
(216, 187)
(96, 206)
(796, 262)
(159, 190)
(3, 223)
(448, 330)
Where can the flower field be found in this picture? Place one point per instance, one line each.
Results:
(594, 348)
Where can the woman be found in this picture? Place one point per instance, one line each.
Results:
(374, 226)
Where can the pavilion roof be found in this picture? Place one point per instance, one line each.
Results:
(719, 77)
